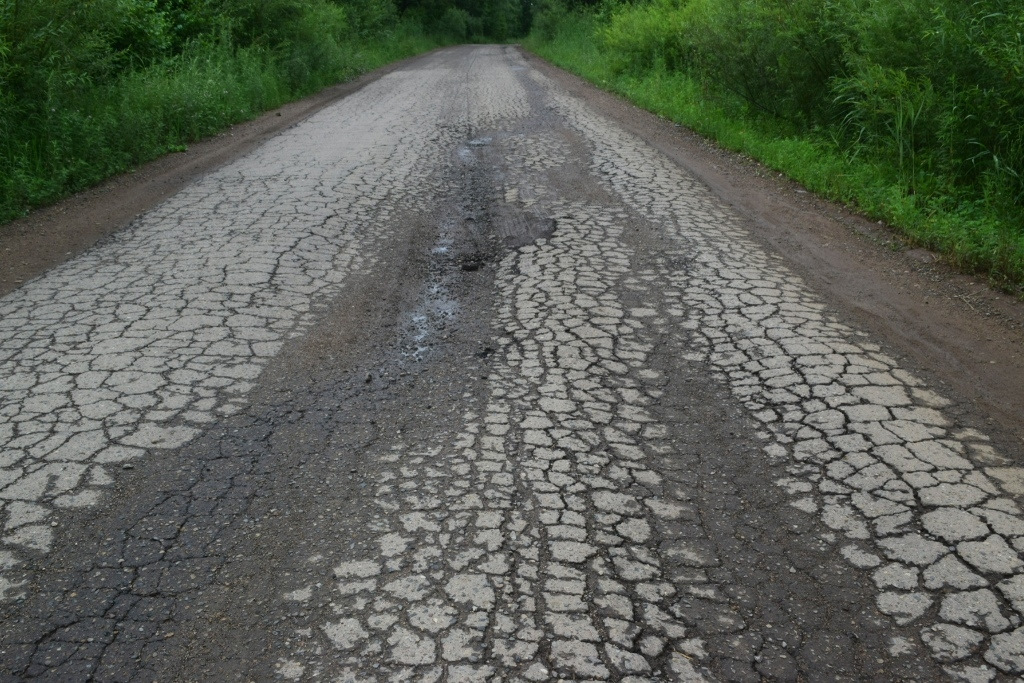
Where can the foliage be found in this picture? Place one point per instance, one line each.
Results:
(454, 24)
(775, 54)
(920, 101)
(549, 16)
(471, 20)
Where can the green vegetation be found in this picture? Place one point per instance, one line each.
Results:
(470, 21)
(911, 110)
(91, 88)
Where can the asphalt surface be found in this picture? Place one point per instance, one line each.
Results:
(460, 380)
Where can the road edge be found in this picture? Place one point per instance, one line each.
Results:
(54, 234)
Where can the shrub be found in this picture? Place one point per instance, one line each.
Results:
(645, 36)
(549, 16)
(894, 114)
(453, 25)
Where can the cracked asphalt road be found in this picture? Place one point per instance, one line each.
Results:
(460, 379)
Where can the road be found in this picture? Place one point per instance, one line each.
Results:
(460, 379)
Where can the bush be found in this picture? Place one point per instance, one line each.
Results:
(453, 25)
(893, 114)
(641, 37)
(549, 16)
(314, 47)
(371, 17)
(774, 54)
(957, 70)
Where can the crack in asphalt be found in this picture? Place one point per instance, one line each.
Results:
(919, 502)
(484, 389)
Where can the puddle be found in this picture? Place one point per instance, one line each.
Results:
(465, 152)
(437, 305)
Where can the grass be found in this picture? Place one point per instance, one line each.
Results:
(976, 236)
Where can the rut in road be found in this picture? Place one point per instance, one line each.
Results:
(483, 388)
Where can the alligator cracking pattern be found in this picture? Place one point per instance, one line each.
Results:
(141, 342)
(571, 524)
(525, 546)
(923, 506)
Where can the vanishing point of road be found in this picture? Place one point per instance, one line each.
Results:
(461, 379)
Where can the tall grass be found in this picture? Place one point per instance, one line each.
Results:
(87, 92)
(912, 111)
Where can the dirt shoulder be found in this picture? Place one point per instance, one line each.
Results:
(50, 236)
(961, 333)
